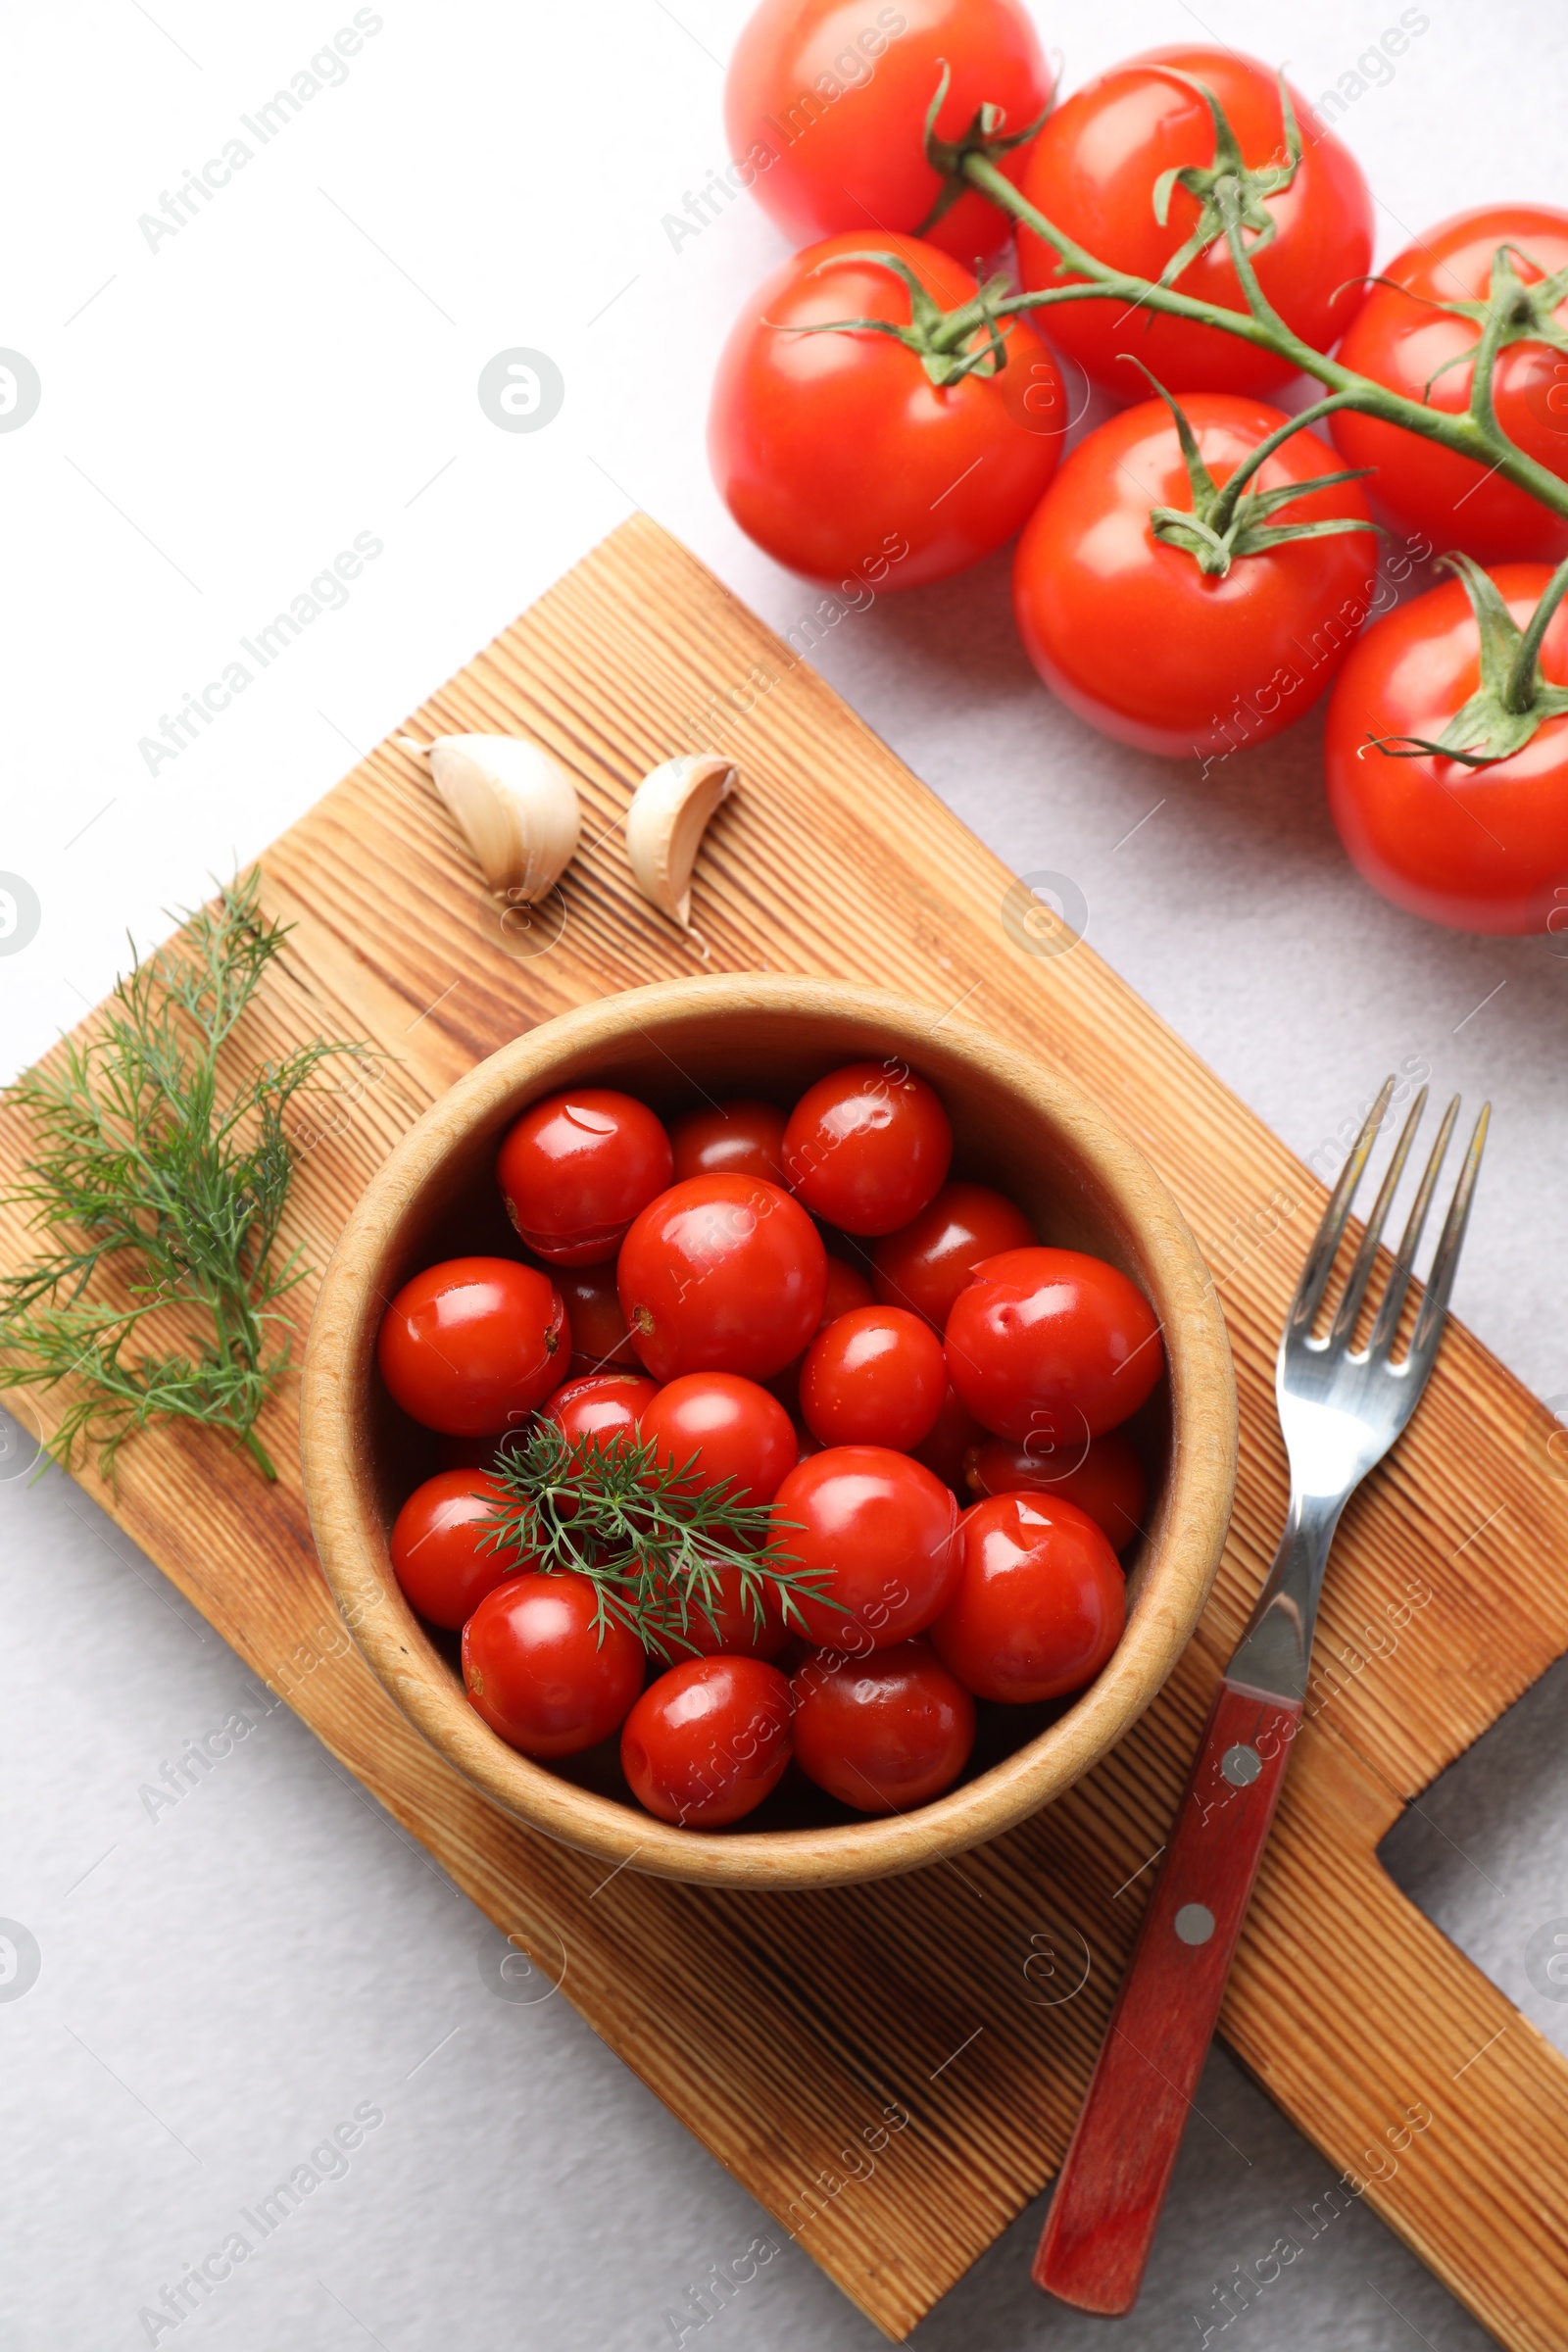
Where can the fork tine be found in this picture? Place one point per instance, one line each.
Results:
(1388, 1321)
(1435, 1306)
(1349, 1306)
(1326, 1241)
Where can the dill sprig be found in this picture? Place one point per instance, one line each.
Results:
(653, 1544)
(146, 1157)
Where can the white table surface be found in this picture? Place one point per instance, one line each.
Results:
(219, 1988)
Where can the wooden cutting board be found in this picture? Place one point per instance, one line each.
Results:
(892, 2070)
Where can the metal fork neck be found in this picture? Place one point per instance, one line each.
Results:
(1275, 1653)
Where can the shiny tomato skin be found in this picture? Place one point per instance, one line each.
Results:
(473, 1344)
(1399, 339)
(876, 1376)
(838, 455)
(1041, 1601)
(881, 1528)
(926, 1263)
(1092, 172)
(1131, 635)
(1102, 1476)
(741, 1137)
(438, 1556)
(534, 1668)
(600, 1340)
(847, 1289)
(1044, 1343)
(601, 1410)
(575, 1169)
(885, 1733)
(721, 1274)
(867, 1145)
(707, 1741)
(727, 1428)
(1482, 848)
(734, 1632)
(946, 1450)
(826, 105)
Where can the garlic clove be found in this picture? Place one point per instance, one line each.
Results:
(515, 805)
(668, 815)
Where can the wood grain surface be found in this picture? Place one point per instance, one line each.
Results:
(893, 2069)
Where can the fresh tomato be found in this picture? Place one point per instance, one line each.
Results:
(1483, 849)
(721, 1274)
(1044, 1342)
(840, 456)
(884, 1733)
(1136, 638)
(825, 107)
(877, 1376)
(438, 1553)
(926, 1263)
(707, 1741)
(847, 1289)
(1092, 173)
(867, 1145)
(724, 1427)
(878, 1528)
(1417, 333)
(724, 1626)
(575, 1169)
(541, 1672)
(738, 1138)
(473, 1344)
(600, 1340)
(600, 1410)
(947, 1447)
(1102, 1476)
(1041, 1602)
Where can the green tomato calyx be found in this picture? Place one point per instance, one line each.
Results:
(1513, 700)
(984, 136)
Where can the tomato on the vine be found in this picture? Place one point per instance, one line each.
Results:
(882, 1732)
(825, 108)
(1040, 1604)
(1095, 172)
(721, 1274)
(1129, 631)
(473, 1344)
(926, 1263)
(1046, 1344)
(876, 1376)
(867, 1145)
(839, 454)
(439, 1555)
(876, 1528)
(1418, 331)
(541, 1672)
(575, 1169)
(707, 1741)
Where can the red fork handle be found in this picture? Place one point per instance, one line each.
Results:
(1113, 2178)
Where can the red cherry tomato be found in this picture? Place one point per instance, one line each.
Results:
(707, 1741)
(737, 1137)
(825, 108)
(926, 1263)
(1093, 173)
(847, 1289)
(601, 1410)
(438, 1555)
(838, 454)
(473, 1344)
(1041, 1601)
(945, 1450)
(867, 1145)
(1483, 849)
(884, 1733)
(1103, 1477)
(536, 1669)
(1128, 631)
(879, 1528)
(875, 1376)
(1403, 337)
(734, 1630)
(721, 1274)
(600, 1340)
(728, 1428)
(577, 1168)
(1046, 1344)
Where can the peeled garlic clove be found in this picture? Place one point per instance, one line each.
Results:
(516, 806)
(666, 823)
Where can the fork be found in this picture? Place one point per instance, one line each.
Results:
(1339, 1411)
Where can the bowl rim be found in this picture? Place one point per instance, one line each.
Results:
(1182, 1559)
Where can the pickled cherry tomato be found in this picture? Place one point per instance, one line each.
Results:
(707, 1741)
(728, 1626)
(1043, 1342)
(1105, 1478)
(439, 1556)
(946, 1450)
(877, 1376)
(1040, 1603)
(867, 1145)
(726, 1428)
(600, 1340)
(882, 1732)
(737, 1137)
(928, 1262)
(575, 1169)
(847, 1289)
(473, 1344)
(878, 1528)
(601, 1410)
(535, 1667)
(721, 1274)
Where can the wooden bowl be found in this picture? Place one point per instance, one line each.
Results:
(1019, 1125)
